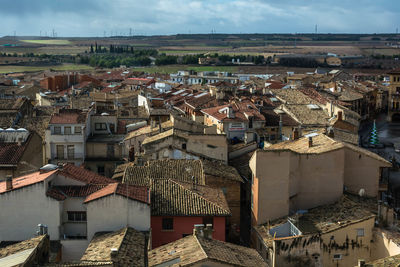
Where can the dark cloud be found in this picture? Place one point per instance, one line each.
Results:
(93, 17)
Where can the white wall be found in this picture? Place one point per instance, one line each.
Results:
(23, 209)
(115, 214)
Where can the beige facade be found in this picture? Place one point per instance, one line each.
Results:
(298, 175)
(394, 96)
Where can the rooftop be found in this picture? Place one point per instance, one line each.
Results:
(68, 116)
(130, 246)
(194, 249)
(139, 193)
(171, 198)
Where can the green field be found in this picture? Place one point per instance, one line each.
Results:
(48, 42)
(11, 68)
(175, 68)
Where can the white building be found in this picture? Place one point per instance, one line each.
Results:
(66, 135)
(74, 203)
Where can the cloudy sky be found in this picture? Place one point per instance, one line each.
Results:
(151, 17)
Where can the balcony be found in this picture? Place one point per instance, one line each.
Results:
(67, 138)
(75, 156)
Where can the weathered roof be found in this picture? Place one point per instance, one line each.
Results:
(292, 97)
(177, 169)
(10, 151)
(307, 115)
(130, 245)
(21, 246)
(321, 144)
(348, 210)
(83, 175)
(171, 198)
(193, 249)
(219, 169)
(148, 130)
(242, 111)
(68, 116)
(15, 104)
(391, 261)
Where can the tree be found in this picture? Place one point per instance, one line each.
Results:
(91, 49)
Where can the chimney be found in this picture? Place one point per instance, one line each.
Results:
(208, 231)
(340, 115)
(198, 230)
(9, 182)
(361, 263)
(310, 141)
(295, 134)
(42, 229)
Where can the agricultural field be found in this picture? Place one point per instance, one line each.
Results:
(48, 42)
(63, 67)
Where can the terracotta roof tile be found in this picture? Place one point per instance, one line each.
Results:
(83, 175)
(242, 110)
(68, 116)
(170, 198)
(26, 180)
(139, 193)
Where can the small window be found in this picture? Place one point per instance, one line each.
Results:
(78, 129)
(184, 146)
(337, 256)
(360, 232)
(76, 216)
(100, 126)
(57, 129)
(168, 224)
(211, 146)
(67, 129)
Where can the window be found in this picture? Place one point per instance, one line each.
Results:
(100, 170)
(168, 224)
(110, 150)
(78, 129)
(70, 151)
(337, 256)
(60, 151)
(57, 129)
(208, 220)
(360, 232)
(211, 146)
(76, 216)
(184, 146)
(100, 126)
(67, 129)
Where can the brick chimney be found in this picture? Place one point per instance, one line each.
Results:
(9, 182)
(340, 116)
(310, 141)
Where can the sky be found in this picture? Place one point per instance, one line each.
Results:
(93, 18)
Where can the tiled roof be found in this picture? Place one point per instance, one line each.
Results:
(83, 175)
(321, 144)
(120, 170)
(139, 193)
(391, 261)
(221, 170)
(149, 130)
(68, 116)
(241, 110)
(177, 169)
(26, 180)
(16, 104)
(312, 93)
(292, 96)
(131, 246)
(10, 154)
(170, 198)
(306, 115)
(195, 249)
(21, 246)
(272, 118)
(77, 191)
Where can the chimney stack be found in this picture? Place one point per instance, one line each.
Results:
(9, 182)
(340, 115)
(198, 230)
(208, 231)
(310, 141)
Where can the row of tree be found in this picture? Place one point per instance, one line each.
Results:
(122, 49)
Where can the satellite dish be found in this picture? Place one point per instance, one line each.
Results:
(361, 193)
